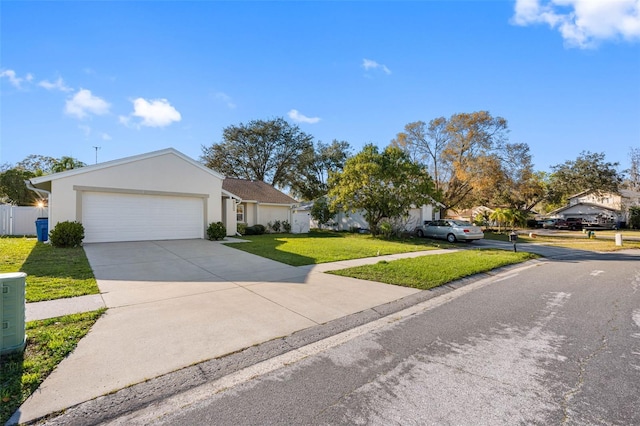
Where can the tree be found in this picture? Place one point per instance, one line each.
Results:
(317, 163)
(13, 188)
(382, 184)
(66, 163)
(38, 164)
(461, 153)
(499, 216)
(633, 181)
(322, 212)
(266, 150)
(588, 172)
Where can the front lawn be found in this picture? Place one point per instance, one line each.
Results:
(326, 246)
(48, 342)
(52, 273)
(426, 272)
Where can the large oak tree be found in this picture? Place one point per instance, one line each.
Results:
(314, 168)
(463, 153)
(588, 172)
(266, 150)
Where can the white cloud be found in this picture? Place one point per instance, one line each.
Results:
(300, 118)
(369, 64)
(56, 85)
(105, 137)
(84, 103)
(14, 79)
(583, 23)
(154, 113)
(226, 99)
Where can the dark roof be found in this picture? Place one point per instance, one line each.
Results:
(256, 190)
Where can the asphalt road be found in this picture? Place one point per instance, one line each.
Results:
(556, 341)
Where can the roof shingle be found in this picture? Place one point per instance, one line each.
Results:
(255, 190)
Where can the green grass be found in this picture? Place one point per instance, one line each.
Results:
(426, 272)
(48, 342)
(326, 246)
(574, 240)
(52, 273)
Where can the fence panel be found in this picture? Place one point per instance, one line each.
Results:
(19, 220)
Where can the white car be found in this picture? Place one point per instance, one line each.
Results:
(451, 230)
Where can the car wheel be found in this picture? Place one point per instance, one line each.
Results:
(451, 238)
(420, 233)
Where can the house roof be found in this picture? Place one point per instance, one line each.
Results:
(106, 164)
(594, 206)
(256, 190)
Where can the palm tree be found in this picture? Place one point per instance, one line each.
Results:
(66, 163)
(499, 216)
(518, 218)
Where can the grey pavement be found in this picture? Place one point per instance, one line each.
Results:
(173, 304)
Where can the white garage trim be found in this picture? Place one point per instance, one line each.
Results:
(110, 215)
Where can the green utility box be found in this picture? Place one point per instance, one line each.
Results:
(12, 313)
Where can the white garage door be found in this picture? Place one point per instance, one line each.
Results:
(131, 217)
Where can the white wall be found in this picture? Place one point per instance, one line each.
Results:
(300, 222)
(271, 213)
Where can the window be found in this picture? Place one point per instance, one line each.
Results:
(240, 213)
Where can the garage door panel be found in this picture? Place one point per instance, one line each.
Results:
(132, 217)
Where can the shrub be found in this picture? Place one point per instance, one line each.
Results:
(386, 229)
(255, 230)
(67, 234)
(286, 226)
(276, 226)
(241, 228)
(216, 231)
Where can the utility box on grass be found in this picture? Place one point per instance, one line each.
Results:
(12, 312)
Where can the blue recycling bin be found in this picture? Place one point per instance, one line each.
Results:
(42, 229)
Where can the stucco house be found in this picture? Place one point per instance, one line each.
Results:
(261, 203)
(154, 196)
(349, 221)
(600, 208)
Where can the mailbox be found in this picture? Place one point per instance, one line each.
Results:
(513, 237)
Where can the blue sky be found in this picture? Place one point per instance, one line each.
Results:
(133, 77)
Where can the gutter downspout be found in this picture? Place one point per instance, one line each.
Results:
(40, 192)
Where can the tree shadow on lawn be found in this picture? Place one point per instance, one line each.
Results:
(268, 248)
(54, 273)
(47, 261)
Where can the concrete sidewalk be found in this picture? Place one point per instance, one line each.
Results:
(176, 303)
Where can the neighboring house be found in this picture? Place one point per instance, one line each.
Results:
(261, 203)
(348, 221)
(600, 208)
(468, 215)
(155, 196)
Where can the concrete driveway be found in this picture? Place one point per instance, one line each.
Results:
(176, 303)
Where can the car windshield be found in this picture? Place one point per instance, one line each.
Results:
(460, 223)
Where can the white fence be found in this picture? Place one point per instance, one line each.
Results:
(19, 220)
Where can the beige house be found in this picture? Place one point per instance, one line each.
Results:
(261, 203)
(155, 196)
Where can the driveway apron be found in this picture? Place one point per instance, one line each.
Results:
(175, 303)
